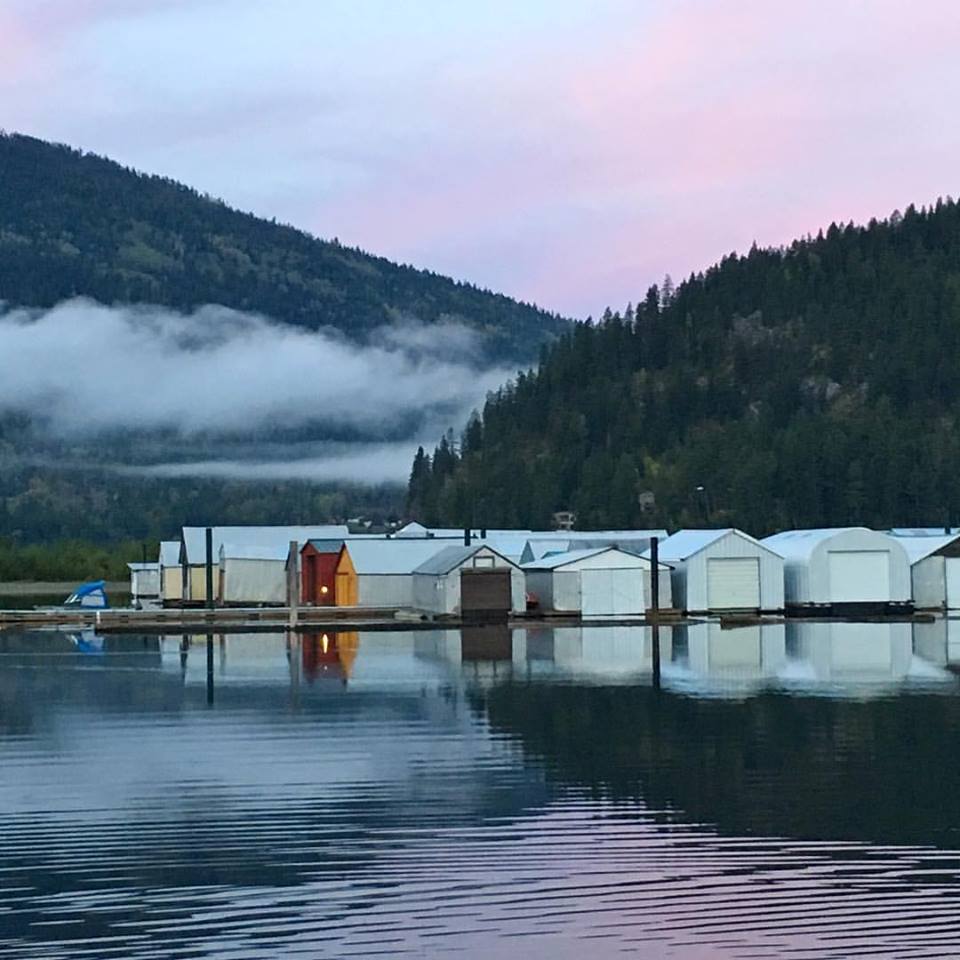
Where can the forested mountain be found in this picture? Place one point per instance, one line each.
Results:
(75, 224)
(817, 384)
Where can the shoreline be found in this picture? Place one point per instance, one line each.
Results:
(37, 588)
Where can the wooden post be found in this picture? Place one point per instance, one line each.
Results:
(210, 603)
(210, 669)
(184, 574)
(293, 583)
(653, 614)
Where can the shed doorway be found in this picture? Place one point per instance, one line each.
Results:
(485, 594)
(611, 592)
(952, 573)
(733, 583)
(859, 575)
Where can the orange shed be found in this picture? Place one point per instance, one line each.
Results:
(347, 592)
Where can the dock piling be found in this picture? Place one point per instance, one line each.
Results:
(653, 614)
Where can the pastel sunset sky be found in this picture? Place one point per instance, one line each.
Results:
(569, 152)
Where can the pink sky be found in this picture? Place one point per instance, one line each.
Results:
(569, 153)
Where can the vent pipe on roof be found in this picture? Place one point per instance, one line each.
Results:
(483, 533)
(466, 536)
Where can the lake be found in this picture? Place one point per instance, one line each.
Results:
(789, 791)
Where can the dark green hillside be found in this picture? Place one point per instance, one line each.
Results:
(77, 224)
(813, 385)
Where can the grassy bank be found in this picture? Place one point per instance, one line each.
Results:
(70, 560)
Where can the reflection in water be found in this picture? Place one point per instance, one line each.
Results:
(710, 660)
(491, 793)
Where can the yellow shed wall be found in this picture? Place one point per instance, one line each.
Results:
(347, 593)
(198, 583)
(172, 583)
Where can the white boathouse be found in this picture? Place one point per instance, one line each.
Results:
(720, 570)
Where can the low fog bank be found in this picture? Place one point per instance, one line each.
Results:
(373, 463)
(82, 369)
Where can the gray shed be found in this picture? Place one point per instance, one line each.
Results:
(144, 581)
(540, 545)
(597, 582)
(934, 570)
(438, 581)
(843, 567)
(252, 575)
(719, 570)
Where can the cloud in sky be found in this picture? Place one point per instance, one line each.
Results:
(564, 151)
(84, 368)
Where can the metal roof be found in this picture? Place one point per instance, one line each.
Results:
(535, 549)
(509, 545)
(326, 546)
(449, 558)
(194, 538)
(922, 531)
(920, 547)
(418, 530)
(246, 551)
(170, 553)
(556, 560)
(140, 567)
(600, 535)
(687, 543)
(412, 529)
(391, 556)
(800, 544)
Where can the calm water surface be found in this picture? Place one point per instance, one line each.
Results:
(791, 791)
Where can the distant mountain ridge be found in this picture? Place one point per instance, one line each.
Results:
(76, 224)
(812, 385)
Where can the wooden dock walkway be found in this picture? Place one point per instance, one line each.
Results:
(201, 620)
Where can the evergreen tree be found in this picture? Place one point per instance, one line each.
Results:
(813, 385)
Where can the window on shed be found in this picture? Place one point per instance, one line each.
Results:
(486, 563)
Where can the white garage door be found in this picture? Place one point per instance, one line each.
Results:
(953, 582)
(859, 575)
(609, 593)
(733, 583)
